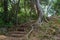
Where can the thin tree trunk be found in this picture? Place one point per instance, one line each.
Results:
(17, 11)
(6, 18)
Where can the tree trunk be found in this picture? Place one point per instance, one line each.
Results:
(35, 4)
(6, 19)
(39, 11)
(17, 11)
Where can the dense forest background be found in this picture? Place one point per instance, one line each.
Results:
(21, 11)
(42, 15)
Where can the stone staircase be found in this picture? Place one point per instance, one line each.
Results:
(19, 32)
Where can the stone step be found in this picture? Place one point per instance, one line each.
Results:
(17, 28)
(17, 35)
(17, 32)
(20, 29)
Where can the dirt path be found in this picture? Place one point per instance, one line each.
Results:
(3, 37)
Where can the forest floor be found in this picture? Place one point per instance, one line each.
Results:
(33, 36)
(47, 31)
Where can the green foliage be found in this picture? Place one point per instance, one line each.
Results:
(1, 22)
(25, 13)
(57, 7)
